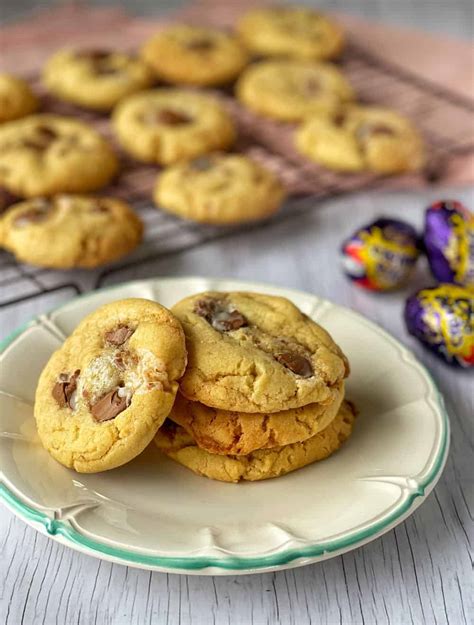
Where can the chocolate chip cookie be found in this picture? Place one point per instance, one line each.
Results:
(68, 231)
(95, 78)
(41, 155)
(362, 138)
(241, 433)
(175, 442)
(16, 98)
(169, 125)
(298, 32)
(256, 353)
(291, 90)
(192, 55)
(219, 189)
(105, 392)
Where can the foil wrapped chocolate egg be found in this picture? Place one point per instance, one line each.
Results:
(442, 318)
(381, 255)
(449, 242)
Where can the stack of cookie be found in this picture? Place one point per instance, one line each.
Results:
(263, 393)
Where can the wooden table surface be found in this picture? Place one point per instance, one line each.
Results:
(419, 573)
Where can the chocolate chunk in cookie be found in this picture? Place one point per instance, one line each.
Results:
(109, 406)
(200, 45)
(296, 363)
(64, 389)
(217, 313)
(119, 335)
(41, 139)
(172, 117)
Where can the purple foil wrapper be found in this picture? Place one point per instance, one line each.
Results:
(381, 255)
(442, 318)
(449, 242)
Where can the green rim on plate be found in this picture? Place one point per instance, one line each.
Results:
(56, 527)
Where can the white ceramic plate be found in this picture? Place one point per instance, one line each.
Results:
(155, 514)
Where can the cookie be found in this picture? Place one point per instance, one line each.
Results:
(362, 138)
(297, 32)
(191, 55)
(105, 392)
(240, 433)
(16, 98)
(48, 154)
(256, 353)
(169, 125)
(95, 78)
(68, 231)
(291, 90)
(219, 189)
(175, 442)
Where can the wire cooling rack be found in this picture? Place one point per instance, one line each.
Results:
(443, 117)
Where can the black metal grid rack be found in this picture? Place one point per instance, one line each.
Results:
(445, 119)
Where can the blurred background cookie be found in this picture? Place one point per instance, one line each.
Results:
(69, 231)
(291, 90)
(16, 98)
(297, 32)
(168, 125)
(194, 55)
(219, 189)
(47, 154)
(362, 138)
(95, 78)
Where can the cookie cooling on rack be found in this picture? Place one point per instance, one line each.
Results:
(298, 32)
(291, 90)
(95, 78)
(219, 189)
(193, 55)
(67, 231)
(169, 125)
(362, 138)
(46, 154)
(16, 98)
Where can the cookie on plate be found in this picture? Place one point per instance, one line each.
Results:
(68, 231)
(240, 433)
(104, 393)
(362, 138)
(256, 353)
(16, 98)
(193, 55)
(296, 32)
(219, 189)
(169, 125)
(263, 464)
(95, 78)
(291, 90)
(48, 154)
